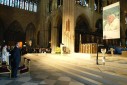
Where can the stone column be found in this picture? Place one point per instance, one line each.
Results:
(42, 14)
(54, 38)
(44, 38)
(68, 24)
(91, 4)
(105, 3)
(98, 6)
(54, 5)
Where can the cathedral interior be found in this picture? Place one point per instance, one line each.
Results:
(50, 23)
(71, 34)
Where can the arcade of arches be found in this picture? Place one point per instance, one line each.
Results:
(56, 22)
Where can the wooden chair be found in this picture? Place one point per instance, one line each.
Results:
(25, 67)
(5, 69)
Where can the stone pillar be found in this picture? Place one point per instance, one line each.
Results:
(42, 14)
(105, 3)
(35, 39)
(44, 38)
(91, 5)
(98, 6)
(54, 39)
(68, 24)
(123, 42)
(54, 5)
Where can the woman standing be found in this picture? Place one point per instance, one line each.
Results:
(5, 55)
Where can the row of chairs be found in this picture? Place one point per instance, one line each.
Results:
(23, 68)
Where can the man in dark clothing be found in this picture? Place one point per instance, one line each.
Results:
(15, 58)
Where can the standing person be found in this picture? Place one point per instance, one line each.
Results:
(15, 60)
(5, 55)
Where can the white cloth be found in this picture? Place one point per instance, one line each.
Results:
(5, 55)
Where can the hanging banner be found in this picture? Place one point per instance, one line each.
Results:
(111, 21)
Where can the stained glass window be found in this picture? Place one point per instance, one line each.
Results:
(16, 3)
(22, 4)
(7, 2)
(13, 3)
(82, 2)
(30, 6)
(1, 1)
(35, 7)
(26, 5)
(10, 2)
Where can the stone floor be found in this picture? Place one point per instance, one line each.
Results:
(71, 69)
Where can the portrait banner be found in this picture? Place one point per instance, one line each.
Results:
(111, 21)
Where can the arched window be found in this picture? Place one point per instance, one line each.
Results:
(26, 5)
(7, 2)
(12, 3)
(17, 3)
(30, 6)
(35, 7)
(21, 4)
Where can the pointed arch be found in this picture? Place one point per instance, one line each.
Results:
(30, 33)
(14, 33)
(82, 28)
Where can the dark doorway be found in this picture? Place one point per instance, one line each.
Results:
(59, 32)
(14, 33)
(81, 29)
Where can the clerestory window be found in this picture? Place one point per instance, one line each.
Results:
(30, 5)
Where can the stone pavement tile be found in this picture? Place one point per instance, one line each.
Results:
(73, 80)
(29, 83)
(57, 74)
(4, 82)
(75, 83)
(43, 83)
(50, 81)
(110, 71)
(35, 80)
(64, 79)
(53, 77)
(15, 83)
(24, 79)
(61, 82)
(42, 76)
